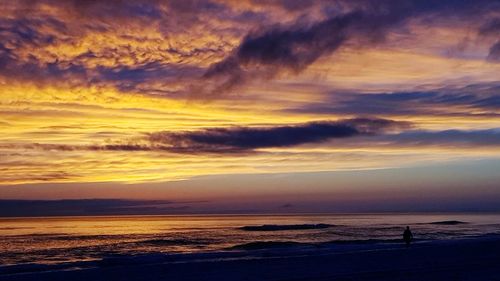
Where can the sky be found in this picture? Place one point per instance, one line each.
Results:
(250, 105)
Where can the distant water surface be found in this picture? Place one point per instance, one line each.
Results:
(70, 239)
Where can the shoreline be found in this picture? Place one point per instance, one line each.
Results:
(459, 259)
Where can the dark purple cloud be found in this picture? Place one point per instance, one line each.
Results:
(492, 29)
(412, 138)
(450, 138)
(494, 54)
(241, 139)
(87, 207)
(484, 98)
(360, 132)
(264, 53)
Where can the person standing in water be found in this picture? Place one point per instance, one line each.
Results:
(407, 236)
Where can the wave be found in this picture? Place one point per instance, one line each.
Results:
(361, 241)
(267, 245)
(450, 222)
(71, 237)
(160, 241)
(263, 245)
(280, 227)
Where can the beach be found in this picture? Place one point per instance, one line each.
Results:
(461, 259)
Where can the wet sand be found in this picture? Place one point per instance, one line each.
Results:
(466, 259)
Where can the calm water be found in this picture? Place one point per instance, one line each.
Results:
(69, 239)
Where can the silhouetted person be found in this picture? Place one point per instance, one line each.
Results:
(407, 236)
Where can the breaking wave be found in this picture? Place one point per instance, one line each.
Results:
(278, 227)
(448, 222)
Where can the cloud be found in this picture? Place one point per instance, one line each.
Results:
(455, 138)
(469, 139)
(494, 54)
(239, 139)
(264, 53)
(86, 207)
(119, 146)
(244, 139)
(482, 99)
(141, 46)
(358, 132)
(136, 47)
(492, 29)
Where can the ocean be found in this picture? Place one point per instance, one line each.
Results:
(53, 240)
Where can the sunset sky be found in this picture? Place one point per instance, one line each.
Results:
(252, 105)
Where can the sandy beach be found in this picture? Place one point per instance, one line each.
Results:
(461, 259)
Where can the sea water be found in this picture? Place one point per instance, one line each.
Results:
(52, 240)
